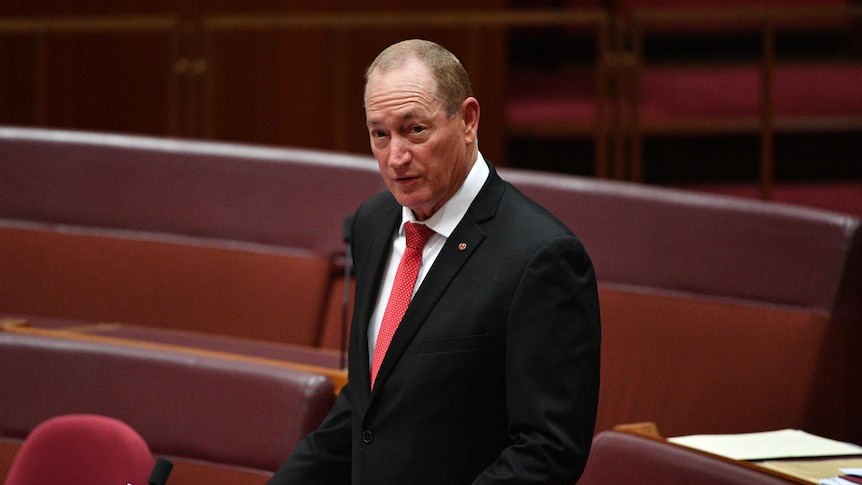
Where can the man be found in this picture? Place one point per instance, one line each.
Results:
(492, 374)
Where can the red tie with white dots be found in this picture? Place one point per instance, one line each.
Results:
(402, 290)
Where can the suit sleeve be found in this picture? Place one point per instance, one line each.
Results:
(552, 368)
(323, 456)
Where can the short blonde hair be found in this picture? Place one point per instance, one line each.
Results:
(453, 83)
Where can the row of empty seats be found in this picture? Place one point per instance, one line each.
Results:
(216, 415)
(90, 449)
(188, 264)
(687, 68)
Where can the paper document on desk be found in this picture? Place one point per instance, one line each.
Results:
(852, 476)
(812, 470)
(785, 443)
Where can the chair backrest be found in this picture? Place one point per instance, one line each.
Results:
(83, 449)
(276, 196)
(618, 457)
(700, 244)
(210, 406)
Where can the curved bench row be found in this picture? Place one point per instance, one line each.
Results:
(719, 315)
(215, 413)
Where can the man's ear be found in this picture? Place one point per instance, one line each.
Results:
(470, 116)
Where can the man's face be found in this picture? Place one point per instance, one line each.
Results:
(423, 155)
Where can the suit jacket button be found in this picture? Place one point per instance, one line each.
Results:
(367, 436)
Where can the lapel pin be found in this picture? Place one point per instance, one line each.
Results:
(462, 246)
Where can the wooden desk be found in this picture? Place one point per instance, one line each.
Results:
(800, 471)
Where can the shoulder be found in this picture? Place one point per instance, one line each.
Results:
(375, 220)
(527, 217)
(375, 210)
(501, 201)
(521, 231)
(383, 201)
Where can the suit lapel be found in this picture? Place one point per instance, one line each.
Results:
(462, 243)
(376, 252)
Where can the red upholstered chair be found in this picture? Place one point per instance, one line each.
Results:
(82, 449)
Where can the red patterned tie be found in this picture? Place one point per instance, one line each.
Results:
(402, 290)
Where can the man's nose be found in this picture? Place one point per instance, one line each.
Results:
(399, 152)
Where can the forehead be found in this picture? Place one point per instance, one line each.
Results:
(408, 87)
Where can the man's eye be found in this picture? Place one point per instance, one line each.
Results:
(378, 134)
(417, 129)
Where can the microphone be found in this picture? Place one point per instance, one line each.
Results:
(347, 234)
(160, 472)
(347, 229)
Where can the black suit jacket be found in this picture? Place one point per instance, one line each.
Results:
(493, 373)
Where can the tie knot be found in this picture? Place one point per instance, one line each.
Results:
(417, 234)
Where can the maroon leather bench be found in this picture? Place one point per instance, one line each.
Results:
(619, 457)
(240, 289)
(232, 239)
(688, 242)
(719, 315)
(286, 197)
(246, 413)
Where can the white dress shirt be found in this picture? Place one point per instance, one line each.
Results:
(443, 222)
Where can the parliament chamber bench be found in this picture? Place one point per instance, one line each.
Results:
(230, 239)
(220, 417)
(719, 315)
(619, 456)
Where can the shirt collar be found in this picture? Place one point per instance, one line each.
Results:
(448, 216)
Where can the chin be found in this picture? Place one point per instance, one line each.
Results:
(410, 200)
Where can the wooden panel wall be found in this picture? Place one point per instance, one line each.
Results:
(107, 73)
(260, 71)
